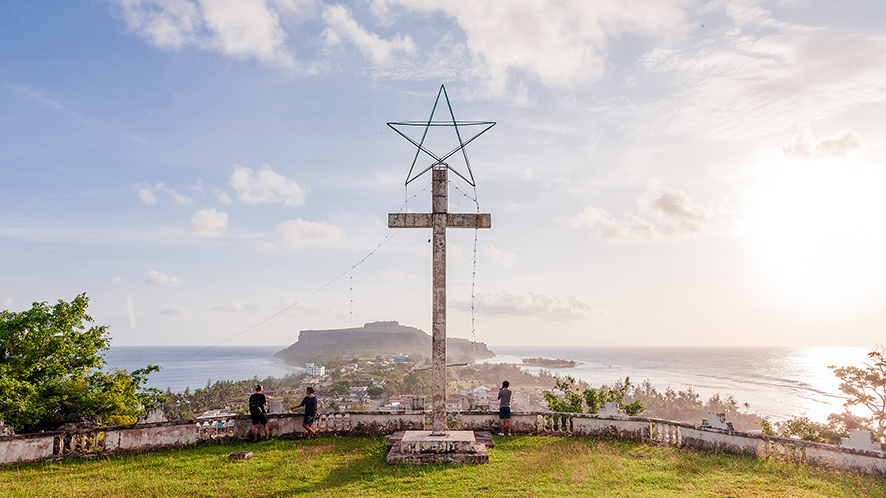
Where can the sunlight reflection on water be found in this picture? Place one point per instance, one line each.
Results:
(776, 382)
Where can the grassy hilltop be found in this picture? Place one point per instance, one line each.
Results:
(354, 466)
(372, 339)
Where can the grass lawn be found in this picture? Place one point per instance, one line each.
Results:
(355, 466)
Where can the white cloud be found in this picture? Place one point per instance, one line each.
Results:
(562, 44)
(266, 186)
(500, 257)
(119, 281)
(7, 302)
(148, 195)
(515, 304)
(299, 233)
(158, 278)
(208, 222)
(341, 26)
(238, 28)
(235, 307)
(174, 310)
(764, 76)
(37, 97)
(674, 215)
(842, 144)
(222, 196)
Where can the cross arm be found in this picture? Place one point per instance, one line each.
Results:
(453, 220)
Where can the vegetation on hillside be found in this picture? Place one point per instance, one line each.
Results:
(50, 370)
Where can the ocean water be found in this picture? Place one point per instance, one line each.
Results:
(196, 366)
(776, 382)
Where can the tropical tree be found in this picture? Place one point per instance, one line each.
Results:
(50, 369)
(590, 399)
(865, 386)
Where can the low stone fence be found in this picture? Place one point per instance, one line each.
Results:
(865, 456)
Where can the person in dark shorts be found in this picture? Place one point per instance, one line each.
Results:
(504, 407)
(310, 404)
(257, 403)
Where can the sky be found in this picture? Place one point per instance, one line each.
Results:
(662, 172)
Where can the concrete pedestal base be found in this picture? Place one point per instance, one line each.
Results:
(421, 447)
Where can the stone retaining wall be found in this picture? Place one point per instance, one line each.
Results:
(104, 440)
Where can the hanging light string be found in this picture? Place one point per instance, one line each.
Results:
(474, 267)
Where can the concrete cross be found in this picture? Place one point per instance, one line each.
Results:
(439, 219)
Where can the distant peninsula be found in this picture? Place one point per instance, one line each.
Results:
(373, 339)
(548, 363)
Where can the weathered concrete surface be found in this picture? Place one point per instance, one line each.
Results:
(611, 410)
(862, 461)
(27, 449)
(5, 430)
(278, 425)
(142, 438)
(721, 440)
(153, 416)
(617, 427)
(473, 454)
(862, 440)
(480, 455)
(276, 407)
(523, 423)
(448, 442)
(378, 423)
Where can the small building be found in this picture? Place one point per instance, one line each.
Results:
(399, 357)
(315, 370)
(458, 403)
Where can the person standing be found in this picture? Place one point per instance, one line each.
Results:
(504, 407)
(257, 403)
(310, 404)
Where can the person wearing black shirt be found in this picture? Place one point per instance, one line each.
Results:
(310, 404)
(257, 403)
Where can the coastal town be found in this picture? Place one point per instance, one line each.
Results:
(393, 383)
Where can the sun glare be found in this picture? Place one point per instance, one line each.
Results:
(821, 227)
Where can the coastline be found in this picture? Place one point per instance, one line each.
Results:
(776, 382)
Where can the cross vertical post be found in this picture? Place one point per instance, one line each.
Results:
(439, 211)
(439, 219)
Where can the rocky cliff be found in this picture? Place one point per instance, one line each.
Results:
(376, 338)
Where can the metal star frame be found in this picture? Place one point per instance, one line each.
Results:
(486, 125)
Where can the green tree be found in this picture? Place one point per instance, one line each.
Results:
(50, 369)
(590, 400)
(865, 386)
(341, 387)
